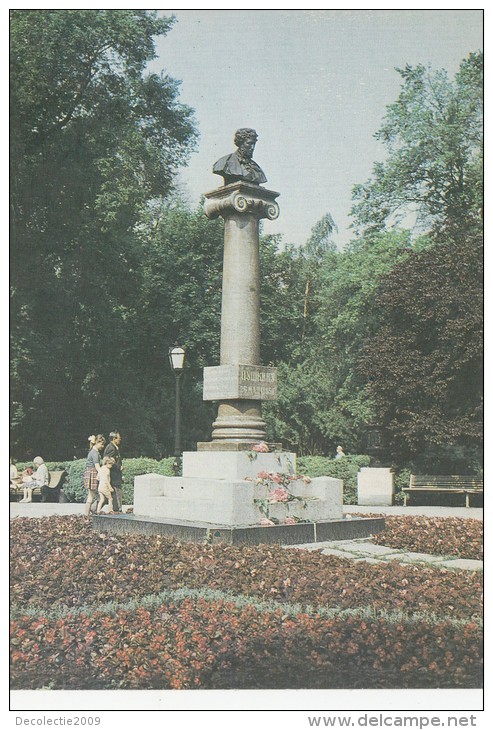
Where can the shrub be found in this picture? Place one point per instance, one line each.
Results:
(74, 485)
(142, 465)
(401, 479)
(451, 536)
(95, 610)
(346, 469)
(62, 561)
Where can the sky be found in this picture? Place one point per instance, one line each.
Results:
(313, 83)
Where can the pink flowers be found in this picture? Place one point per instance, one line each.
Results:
(279, 495)
(265, 522)
(279, 486)
(270, 476)
(260, 448)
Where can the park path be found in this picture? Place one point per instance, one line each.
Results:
(363, 550)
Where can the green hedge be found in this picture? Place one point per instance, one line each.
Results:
(346, 469)
(74, 484)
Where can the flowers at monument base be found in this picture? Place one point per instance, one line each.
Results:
(279, 491)
(279, 495)
(260, 448)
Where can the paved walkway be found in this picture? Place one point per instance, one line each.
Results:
(363, 549)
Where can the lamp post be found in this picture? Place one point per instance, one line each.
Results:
(176, 355)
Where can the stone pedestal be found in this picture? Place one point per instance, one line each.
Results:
(240, 384)
(220, 489)
(375, 486)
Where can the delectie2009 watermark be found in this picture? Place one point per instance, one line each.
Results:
(82, 721)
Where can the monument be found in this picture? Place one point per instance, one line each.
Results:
(236, 487)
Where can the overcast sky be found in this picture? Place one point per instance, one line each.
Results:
(313, 83)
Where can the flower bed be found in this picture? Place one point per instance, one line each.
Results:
(95, 610)
(197, 644)
(435, 535)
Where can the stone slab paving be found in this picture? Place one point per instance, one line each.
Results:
(420, 558)
(369, 560)
(361, 550)
(462, 564)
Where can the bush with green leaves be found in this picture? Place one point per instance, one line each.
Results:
(74, 484)
(142, 465)
(346, 469)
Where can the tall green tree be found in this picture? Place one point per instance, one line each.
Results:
(423, 364)
(180, 300)
(323, 398)
(94, 137)
(433, 169)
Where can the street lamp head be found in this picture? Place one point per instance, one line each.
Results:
(176, 356)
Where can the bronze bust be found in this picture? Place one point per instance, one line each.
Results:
(239, 165)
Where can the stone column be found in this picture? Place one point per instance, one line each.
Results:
(240, 383)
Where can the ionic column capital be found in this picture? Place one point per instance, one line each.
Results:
(240, 197)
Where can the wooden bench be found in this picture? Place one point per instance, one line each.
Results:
(57, 479)
(433, 484)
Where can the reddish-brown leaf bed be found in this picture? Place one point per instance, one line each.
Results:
(61, 561)
(196, 644)
(435, 535)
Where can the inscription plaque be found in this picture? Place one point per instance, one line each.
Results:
(232, 382)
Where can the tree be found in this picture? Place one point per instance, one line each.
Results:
(180, 300)
(93, 139)
(433, 171)
(424, 363)
(323, 399)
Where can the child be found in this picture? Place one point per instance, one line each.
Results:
(104, 487)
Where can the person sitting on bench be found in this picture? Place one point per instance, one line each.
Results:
(41, 478)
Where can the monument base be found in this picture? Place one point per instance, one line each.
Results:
(240, 497)
(299, 534)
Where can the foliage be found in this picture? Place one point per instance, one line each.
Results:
(433, 136)
(93, 139)
(74, 484)
(106, 567)
(200, 645)
(434, 535)
(134, 467)
(424, 365)
(323, 400)
(346, 469)
(99, 610)
(386, 331)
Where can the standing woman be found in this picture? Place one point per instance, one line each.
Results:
(97, 444)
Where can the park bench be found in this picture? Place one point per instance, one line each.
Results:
(433, 484)
(57, 479)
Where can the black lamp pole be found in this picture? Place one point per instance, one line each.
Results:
(176, 359)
